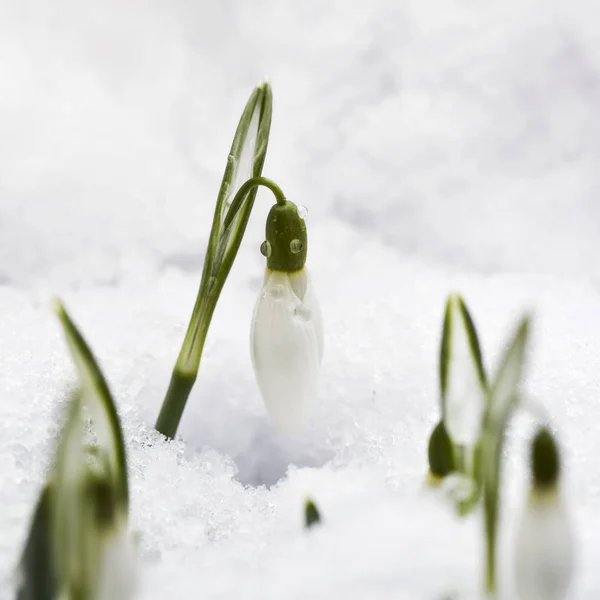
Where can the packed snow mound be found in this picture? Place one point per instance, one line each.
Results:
(221, 508)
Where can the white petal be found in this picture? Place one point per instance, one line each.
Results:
(544, 554)
(302, 286)
(119, 567)
(286, 348)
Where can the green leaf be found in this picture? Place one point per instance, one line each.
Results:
(462, 376)
(97, 398)
(245, 161)
(504, 398)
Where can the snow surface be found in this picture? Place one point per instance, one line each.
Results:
(438, 145)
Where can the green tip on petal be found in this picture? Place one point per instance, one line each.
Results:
(441, 462)
(545, 460)
(311, 514)
(286, 239)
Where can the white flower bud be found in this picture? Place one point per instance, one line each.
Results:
(287, 347)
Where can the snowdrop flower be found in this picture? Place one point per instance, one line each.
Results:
(79, 546)
(544, 554)
(286, 337)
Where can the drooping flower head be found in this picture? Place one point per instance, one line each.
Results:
(287, 329)
(544, 547)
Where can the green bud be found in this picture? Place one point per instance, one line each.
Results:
(311, 514)
(545, 461)
(441, 461)
(286, 240)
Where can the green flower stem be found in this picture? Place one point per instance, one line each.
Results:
(180, 387)
(245, 188)
(187, 366)
(490, 512)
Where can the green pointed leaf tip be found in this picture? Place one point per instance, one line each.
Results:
(440, 452)
(463, 384)
(311, 514)
(456, 308)
(545, 459)
(505, 388)
(473, 340)
(445, 350)
(97, 398)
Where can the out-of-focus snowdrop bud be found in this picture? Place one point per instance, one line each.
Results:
(287, 330)
(462, 378)
(544, 553)
(439, 453)
(79, 546)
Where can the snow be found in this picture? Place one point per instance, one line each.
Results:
(438, 146)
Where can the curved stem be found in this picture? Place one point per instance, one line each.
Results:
(243, 192)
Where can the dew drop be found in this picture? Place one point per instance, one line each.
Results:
(302, 212)
(265, 249)
(296, 246)
(276, 291)
(302, 313)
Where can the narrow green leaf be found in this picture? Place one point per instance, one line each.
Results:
(471, 332)
(445, 351)
(97, 398)
(246, 160)
(504, 398)
(462, 376)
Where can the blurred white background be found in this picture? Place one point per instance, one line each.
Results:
(466, 133)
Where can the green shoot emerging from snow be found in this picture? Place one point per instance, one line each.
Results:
(231, 216)
(504, 397)
(79, 546)
(311, 514)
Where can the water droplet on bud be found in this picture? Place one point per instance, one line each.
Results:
(265, 249)
(296, 246)
(302, 313)
(302, 212)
